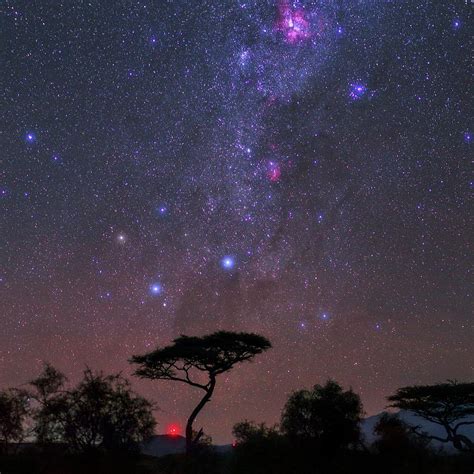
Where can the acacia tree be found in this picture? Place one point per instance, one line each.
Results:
(188, 359)
(450, 405)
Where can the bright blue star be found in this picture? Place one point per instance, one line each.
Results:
(456, 24)
(467, 137)
(162, 210)
(228, 262)
(155, 289)
(357, 91)
(325, 316)
(30, 137)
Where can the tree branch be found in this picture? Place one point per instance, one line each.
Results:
(187, 381)
(422, 434)
(463, 423)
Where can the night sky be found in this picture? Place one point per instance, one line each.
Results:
(297, 169)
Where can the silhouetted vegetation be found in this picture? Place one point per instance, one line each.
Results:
(326, 418)
(94, 426)
(211, 355)
(257, 447)
(97, 426)
(100, 413)
(446, 404)
(396, 437)
(13, 414)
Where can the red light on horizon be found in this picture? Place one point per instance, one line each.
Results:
(173, 430)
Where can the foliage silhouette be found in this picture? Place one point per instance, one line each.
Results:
(248, 431)
(395, 436)
(446, 404)
(326, 417)
(189, 358)
(14, 410)
(259, 449)
(100, 413)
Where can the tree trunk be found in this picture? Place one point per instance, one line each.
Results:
(190, 441)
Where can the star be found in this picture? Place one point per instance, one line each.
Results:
(357, 91)
(228, 262)
(155, 289)
(162, 210)
(30, 137)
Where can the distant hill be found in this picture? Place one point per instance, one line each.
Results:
(368, 426)
(161, 445)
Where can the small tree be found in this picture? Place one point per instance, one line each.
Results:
(259, 448)
(248, 431)
(395, 437)
(190, 357)
(326, 415)
(14, 410)
(447, 404)
(101, 412)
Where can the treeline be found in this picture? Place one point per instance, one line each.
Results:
(320, 432)
(100, 413)
(98, 424)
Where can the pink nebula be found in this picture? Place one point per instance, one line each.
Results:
(273, 171)
(291, 21)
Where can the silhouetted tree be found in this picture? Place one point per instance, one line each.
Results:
(211, 355)
(247, 431)
(101, 412)
(327, 416)
(14, 410)
(51, 413)
(447, 404)
(260, 449)
(395, 437)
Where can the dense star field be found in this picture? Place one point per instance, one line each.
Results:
(297, 169)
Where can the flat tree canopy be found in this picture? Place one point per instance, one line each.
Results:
(447, 404)
(211, 355)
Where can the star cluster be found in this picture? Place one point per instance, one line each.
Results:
(294, 168)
